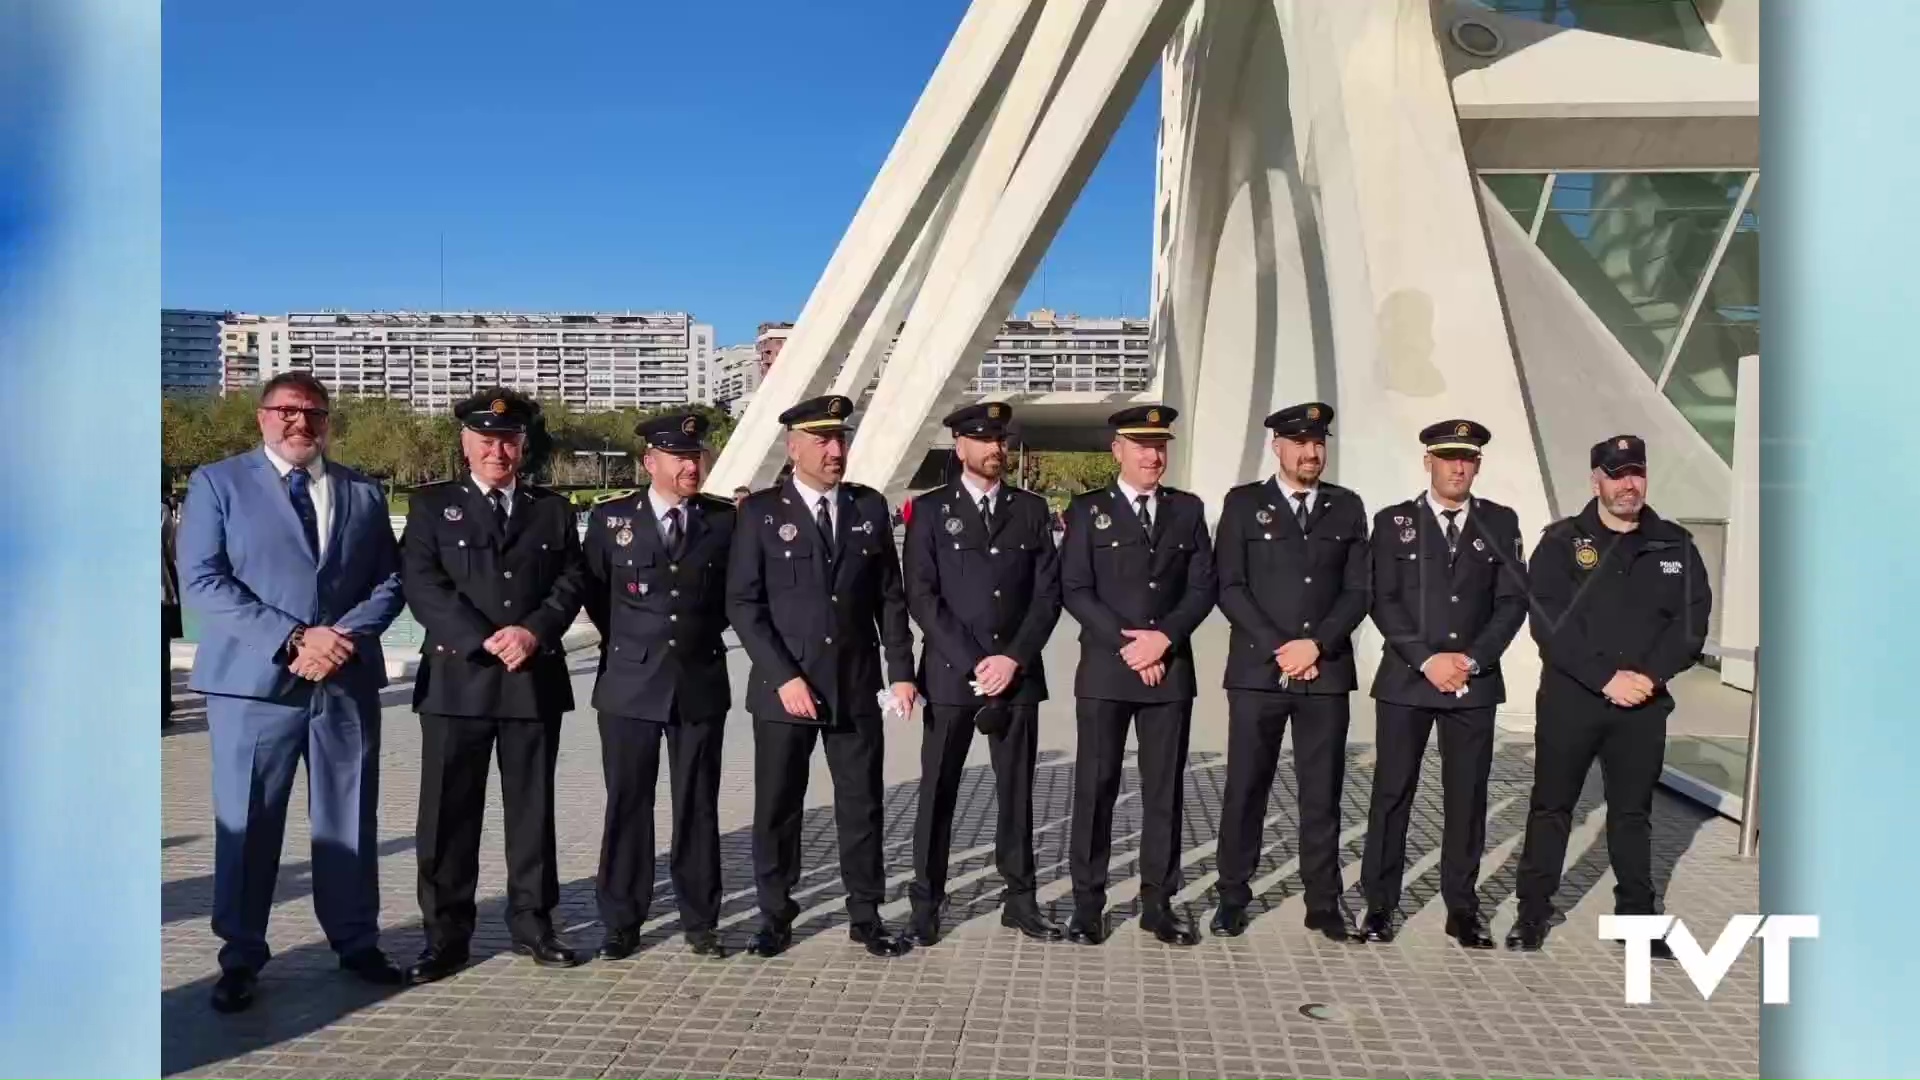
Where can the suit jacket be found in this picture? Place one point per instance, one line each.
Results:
(978, 592)
(1114, 577)
(466, 578)
(1427, 602)
(1278, 584)
(251, 580)
(660, 615)
(803, 612)
(1638, 601)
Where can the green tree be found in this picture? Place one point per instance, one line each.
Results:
(1059, 472)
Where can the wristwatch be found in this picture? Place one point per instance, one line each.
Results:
(1473, 666)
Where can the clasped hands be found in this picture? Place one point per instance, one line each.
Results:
(513, 646)
(1628, 689)
(1299, 659)
(1145, 652)
(322, 650)
(797, 698)
(1448, 672)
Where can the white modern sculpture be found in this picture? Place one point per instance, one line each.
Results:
(1319, 235)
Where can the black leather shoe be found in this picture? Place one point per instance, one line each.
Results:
(878, 941)
(1527, 935)
(1087, 931)
(373, 966)
(1332, 924)
(1169, 926)
(705, 943)
(436, 964)
(234, 992)
(1028, 920)
(1469, 931)
(618, 945)
(1376, 926)
(770, 941)
(1229, 921)
(924, 929)
(548, 951)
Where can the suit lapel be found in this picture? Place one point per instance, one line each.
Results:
(1126, 516)
(1469, 532)
(796, 510)
(648, 526)
(339, 497)
(482, 507)
(1002, 505)
(694, 521)
(843, 523)
(275, 490)
(1323, 501)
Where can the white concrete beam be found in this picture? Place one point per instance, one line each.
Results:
(1105, 77)
(944, 125)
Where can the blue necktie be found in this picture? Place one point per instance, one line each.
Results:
(299, 483)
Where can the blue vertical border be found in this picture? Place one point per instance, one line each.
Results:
(79, 537)
(1841, 531)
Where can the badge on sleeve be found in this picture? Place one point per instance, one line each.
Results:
(452, 513)
(1584, 556)
(1102, 521)
(624, 537)
(788, 532)
(954, 527)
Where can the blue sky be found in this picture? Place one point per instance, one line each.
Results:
(576, 155)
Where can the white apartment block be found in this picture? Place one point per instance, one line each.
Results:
(1045, 353)
(243, 339)
(588, 361)
(736, 375)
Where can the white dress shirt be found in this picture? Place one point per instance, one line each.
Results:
(975, 494)
(812, 499)
(506, 492)
(1289, 491)
(318, 489)
(660, 508)
(1132, 495)
(1459, 517)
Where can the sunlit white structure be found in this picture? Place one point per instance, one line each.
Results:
(1542, 214)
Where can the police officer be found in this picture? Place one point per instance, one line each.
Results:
(813, 590)
(1293, 582)
(491, 568)
(656, 567)
(1449, 594)
(1137, 574)
(983, 582)
(1620, 606)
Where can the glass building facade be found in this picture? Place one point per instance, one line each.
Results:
(1673, 23)
(1670, 262)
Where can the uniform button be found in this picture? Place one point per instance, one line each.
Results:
(675, 567)
(616, 648)
(1309, 580)
(629, 562)
(829, 641)
(673, 592)
(673, 618)
(543, 547)
(1306, 626)
(835, 599)
(996, 592)
(1453, 599)
(1153, 584)
(1116, 543)
(509, 573)
(463, 543)
(509, 603)
(1150, 622)
(671, 643)
(1266, 536)
(993, 551)
(1451, 634)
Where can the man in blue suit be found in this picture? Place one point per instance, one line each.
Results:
(290, 563)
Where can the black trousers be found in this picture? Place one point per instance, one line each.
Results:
(1162, 730)
(1466, 756)
(782, 758)
(943, 756)
(630, 759)
(1256, 722)
(1631, 744)
(454, 752)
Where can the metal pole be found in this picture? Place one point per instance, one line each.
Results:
(1750, 793)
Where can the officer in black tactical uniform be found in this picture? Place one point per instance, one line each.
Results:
(1620, 607)
(813, 590)
(656, 568)
(1136, 571)
(491, 568)
(1449, 594)
(1294, 576)
(983, 582)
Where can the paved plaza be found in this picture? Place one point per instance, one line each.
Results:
(1279, 1001)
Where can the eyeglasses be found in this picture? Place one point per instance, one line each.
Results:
(289, 413)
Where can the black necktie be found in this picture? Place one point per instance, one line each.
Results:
(986, 511)
(1453, 529)
(499, 509)
(674, 536)
(298, 482)
(1300, 509)
(1140, 506)
(825, 520)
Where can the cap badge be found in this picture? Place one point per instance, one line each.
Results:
(954, 526)
(833, 407)
(690, 426)
(452, 513)
(788, 532)
(1462, 430)
(499, 406)
(1313, 412)
(993, 412)
(1623, 444)
(1102, 521)
(1153, 416)
(624, 537)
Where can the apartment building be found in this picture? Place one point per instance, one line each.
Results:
(736, 375)
(190, 351)
(589, 361)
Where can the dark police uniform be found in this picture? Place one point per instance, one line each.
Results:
(1436, 593)
(656, 588)
(1118, 573)
(981, 581)
(470, 566)
(1604, 602)
(825, 610)
(1284, 580)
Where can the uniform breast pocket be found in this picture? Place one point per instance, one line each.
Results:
(1120, 555)
(1328, 549)
(634, 576)
(792, 567)
(458, 548)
